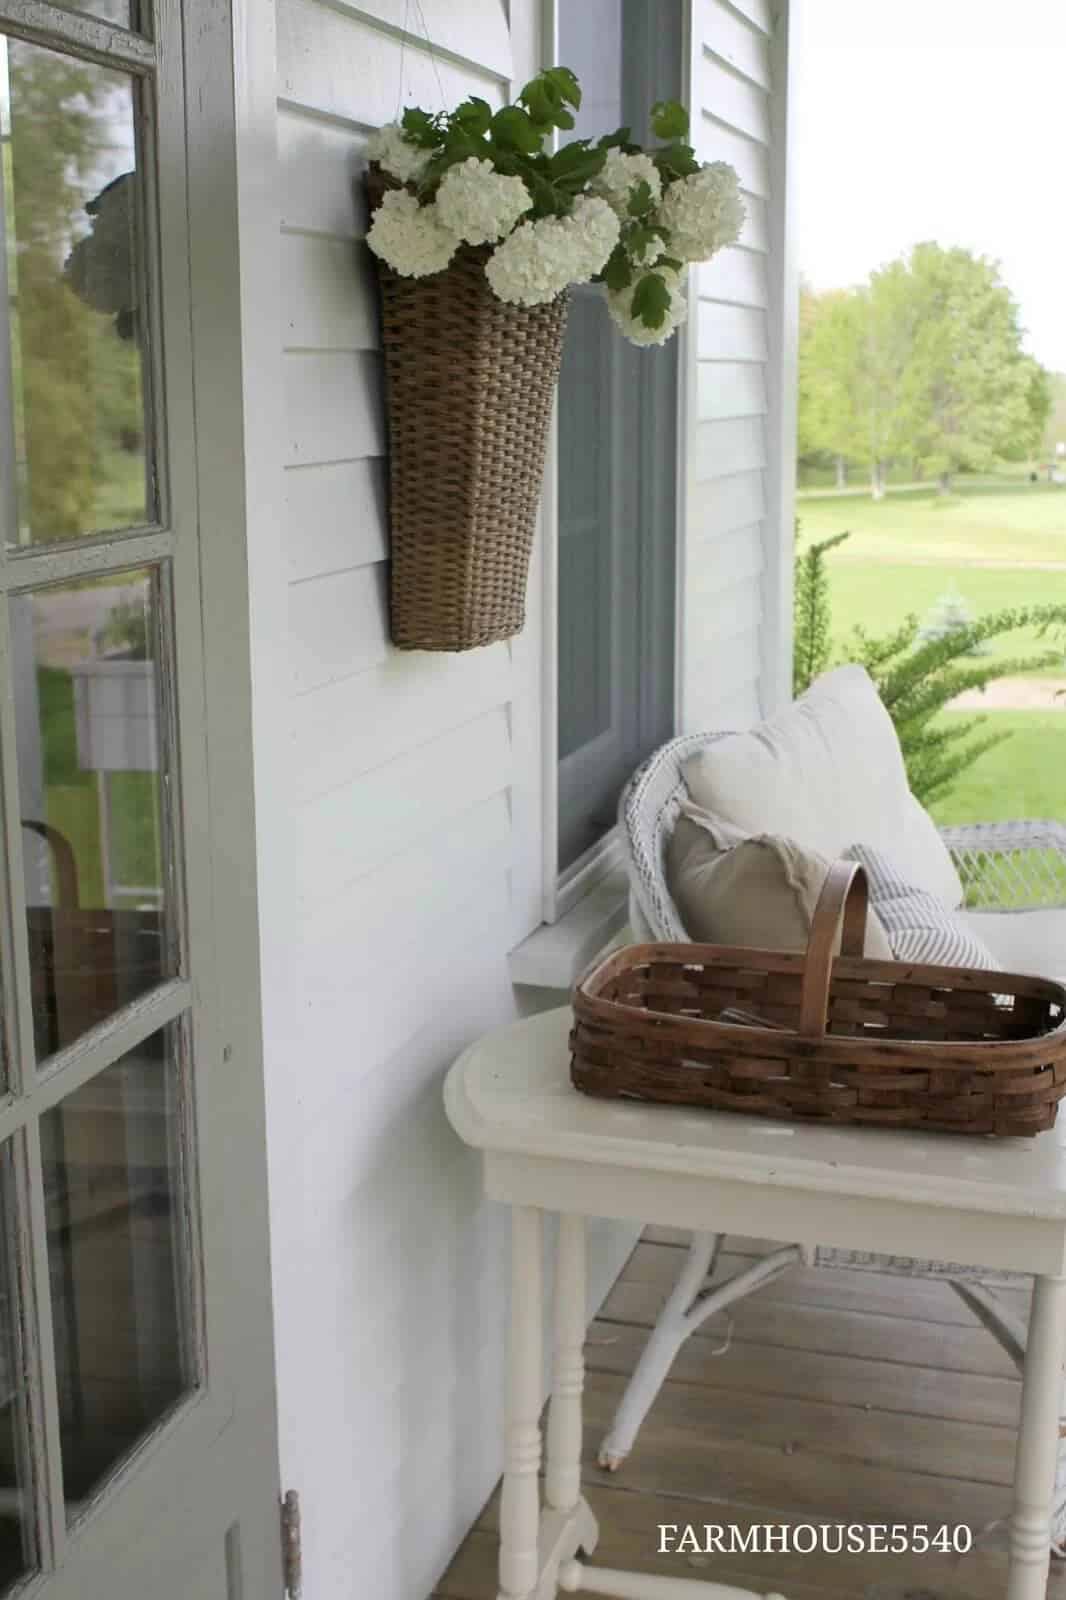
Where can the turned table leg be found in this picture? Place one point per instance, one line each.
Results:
(520, 1502)
(1038, 1441)
(563, 1477)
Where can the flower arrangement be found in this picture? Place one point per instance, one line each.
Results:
(606, 212)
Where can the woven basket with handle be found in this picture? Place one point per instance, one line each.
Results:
(469, 383)
(830, 1040)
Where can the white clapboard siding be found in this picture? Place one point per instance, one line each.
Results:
(723, 504)
(320, 311)
(735, 444)
(730, 389)
(730, 333)
(737, 558)
(321, 170)
(729, 353)
(334, 517)
(734, 101)
(757, 12)
(746, 50)
(349, 830)
(750, 158)
(418, 888)
(362, 722)
(343, 67)
(334, 405)
(734, 277)
(338, 626)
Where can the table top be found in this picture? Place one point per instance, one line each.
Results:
(510, 1093)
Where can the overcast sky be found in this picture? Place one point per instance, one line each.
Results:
(937, 119)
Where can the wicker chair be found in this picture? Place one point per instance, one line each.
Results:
(1003, 866)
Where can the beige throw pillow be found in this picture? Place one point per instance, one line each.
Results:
(758, 894)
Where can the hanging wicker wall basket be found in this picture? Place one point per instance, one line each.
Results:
(469, 385)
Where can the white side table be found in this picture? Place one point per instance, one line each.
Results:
(547, 1148)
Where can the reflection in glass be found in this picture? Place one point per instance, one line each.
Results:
(69, 214)
(120, 1302)
(90, 779)
(17, 1553)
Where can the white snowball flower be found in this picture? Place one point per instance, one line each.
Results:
(595, 229)
(703, 212)
(540, 259)
(392, 150)
(409, 236)
(620, 174)
(478, 203)
(620, 306)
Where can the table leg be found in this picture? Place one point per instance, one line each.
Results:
(520, 1502)
(1038, 1440)
(563, 1476)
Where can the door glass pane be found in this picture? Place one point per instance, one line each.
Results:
(17, 1543)
(117, 1260)
(77, 450)
(91, 770)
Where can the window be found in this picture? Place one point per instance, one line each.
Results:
(617, 430)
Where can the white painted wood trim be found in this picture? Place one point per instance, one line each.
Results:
(557, 953)
(782, 369)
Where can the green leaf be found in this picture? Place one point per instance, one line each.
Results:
(474, 115)
(641, 199)
(651, 300)
(617, 140)
(421, 129)
(669, 119)
(618, 273)
(513, 129)
(565, 84)
(672, 262)
(675, 161)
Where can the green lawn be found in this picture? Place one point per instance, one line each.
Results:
(878, 595)
(72, 800)
(1025, 776)
(1002, 522)
(999, 542)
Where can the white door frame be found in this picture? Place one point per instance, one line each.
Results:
(207, 1480)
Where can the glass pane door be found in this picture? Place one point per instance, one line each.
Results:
(101, 1334)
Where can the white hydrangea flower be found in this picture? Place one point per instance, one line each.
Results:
(620, 306)
(392, 150)
(478, 203)
(703, 212)
(620, 174)
(409, 236)
(595, 228)
(540, 259)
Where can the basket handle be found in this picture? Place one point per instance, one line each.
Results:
(844, 900)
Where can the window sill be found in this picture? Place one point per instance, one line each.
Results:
(558, 952)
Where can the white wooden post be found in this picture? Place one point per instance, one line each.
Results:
(563, 1478)
(520, 1502)
(1038, 1442)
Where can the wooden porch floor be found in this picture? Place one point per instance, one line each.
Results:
(843, 1396)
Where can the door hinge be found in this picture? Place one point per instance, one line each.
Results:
(291, 1552)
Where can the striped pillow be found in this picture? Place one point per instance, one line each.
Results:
(920, 928)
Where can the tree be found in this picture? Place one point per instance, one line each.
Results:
(830, 376)
(967, 392)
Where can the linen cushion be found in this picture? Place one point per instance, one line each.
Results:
(826, 770)
(759, 893)
(920, 927)
(1032, 941)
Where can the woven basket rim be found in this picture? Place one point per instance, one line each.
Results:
(589, 1004)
